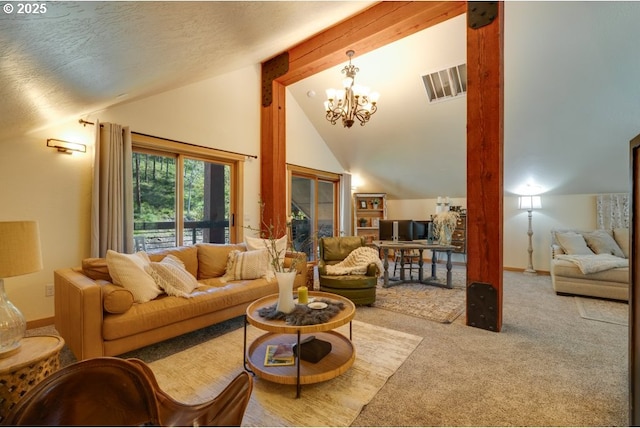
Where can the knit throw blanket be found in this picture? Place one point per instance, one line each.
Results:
(356, 262)
(593, 263)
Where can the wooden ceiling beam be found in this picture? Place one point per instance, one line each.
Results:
(371, 29)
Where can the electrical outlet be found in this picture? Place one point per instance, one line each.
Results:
(48, 290)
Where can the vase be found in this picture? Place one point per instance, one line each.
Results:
(12, 323)
(285, 292)
(444, 235)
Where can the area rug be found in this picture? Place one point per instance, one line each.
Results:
(603, 310)
(428, 302)
(201, 372)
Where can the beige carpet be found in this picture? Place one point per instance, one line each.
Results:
(603, 310)
(202, 371)
(428, 302)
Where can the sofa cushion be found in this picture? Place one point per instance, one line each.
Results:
(251, 264)
(188, 255)
(276, 247)
(335, 249)
(212, 258)
(621, 235)
(96, 268)
(601, 242)
(572, 243)
(115, 298)
(567, 269)
(169, 310)
(171, 275)
(128, 270)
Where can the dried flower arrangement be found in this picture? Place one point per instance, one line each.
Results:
(445, 221)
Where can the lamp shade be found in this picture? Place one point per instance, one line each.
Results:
(19, 248)
(529, 202)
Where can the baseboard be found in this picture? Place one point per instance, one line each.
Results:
(40, 323)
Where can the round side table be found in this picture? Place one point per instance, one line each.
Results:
(37, 358)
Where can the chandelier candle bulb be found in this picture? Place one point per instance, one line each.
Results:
(303, 295)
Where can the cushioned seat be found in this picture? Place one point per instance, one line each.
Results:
(360, 289)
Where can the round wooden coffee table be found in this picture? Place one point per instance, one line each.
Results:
(340, 358)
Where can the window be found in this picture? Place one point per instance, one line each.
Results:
(314, 208)
(183, 194)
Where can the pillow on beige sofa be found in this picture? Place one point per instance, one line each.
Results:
(601, 242)
(250, 264)
(128, 270)
(572, 243)
(171, 275)
(621, 235)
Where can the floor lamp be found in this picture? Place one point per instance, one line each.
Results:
(529, 203)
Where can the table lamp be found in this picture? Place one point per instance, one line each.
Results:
(19, 255)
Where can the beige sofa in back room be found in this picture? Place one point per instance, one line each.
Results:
(591, 263)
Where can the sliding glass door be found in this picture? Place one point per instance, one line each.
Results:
(314, 208)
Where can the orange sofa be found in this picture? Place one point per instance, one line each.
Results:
(98, 318)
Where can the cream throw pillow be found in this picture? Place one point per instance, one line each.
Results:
(171, 275)
(621, 235)
(572, 243)
(251, 264)
(128, 270)
(601, 242)
(259, 243)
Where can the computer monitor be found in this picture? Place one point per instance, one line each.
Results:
(405, 230)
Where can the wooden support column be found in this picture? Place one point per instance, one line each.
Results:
(485, 102)
(273, 184)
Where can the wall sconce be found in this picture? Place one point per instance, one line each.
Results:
(66, 147)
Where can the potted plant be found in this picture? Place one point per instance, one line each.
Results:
(376, 203)
(362, 222)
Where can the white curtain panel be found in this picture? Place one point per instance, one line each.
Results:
(612, 210)
(112, 192)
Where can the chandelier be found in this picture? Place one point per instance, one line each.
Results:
(352, 102)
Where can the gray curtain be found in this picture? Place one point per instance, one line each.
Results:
(112, 192)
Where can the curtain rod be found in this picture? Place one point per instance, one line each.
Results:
(86, 122)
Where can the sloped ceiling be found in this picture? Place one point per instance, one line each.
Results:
(571, 83)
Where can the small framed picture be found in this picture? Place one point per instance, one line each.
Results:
(375, 222)
(363, 204)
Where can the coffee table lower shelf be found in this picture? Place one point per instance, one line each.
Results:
(339, 360)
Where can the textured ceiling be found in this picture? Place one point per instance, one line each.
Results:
(80, 57)
(571, 82)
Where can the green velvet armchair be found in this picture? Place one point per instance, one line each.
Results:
(360, 289)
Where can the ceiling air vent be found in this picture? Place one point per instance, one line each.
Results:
(446, 84)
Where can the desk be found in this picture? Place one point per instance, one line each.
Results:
(403, 246)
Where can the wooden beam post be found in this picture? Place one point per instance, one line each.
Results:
(485, 102)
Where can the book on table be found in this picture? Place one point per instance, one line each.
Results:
(280, 354)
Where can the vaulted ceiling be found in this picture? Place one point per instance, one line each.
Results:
(571, 83)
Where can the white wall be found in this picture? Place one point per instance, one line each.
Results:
(37, 183)
(561, 211)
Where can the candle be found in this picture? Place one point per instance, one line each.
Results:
(303, 295)
(446, 200)
(439, 199)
